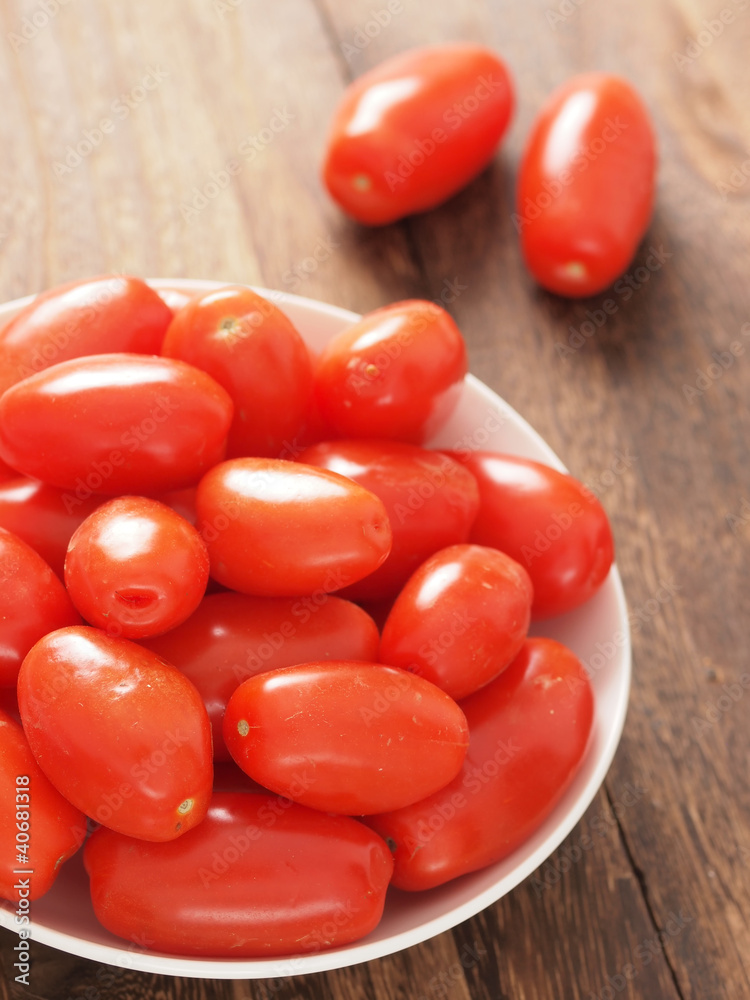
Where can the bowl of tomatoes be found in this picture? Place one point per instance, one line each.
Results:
(405, 839)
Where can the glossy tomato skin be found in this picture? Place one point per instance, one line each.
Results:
(415, 130)
(36, 823)
(461, 619)
(529, 729)
(395, 374)
(259, 877)
(33, 602)
(548, 522)
(120, 733)
(586, 188)
(254, 351)
(279, 529)
(45, 517)
(430, 499)
(345, 737)
(115, 423)
(135, 568)
(112, 313)
(233, 636)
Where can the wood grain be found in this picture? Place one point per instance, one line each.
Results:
(664, 887)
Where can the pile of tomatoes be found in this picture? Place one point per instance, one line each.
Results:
(188, 620)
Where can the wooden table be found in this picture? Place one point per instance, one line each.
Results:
(657, 904)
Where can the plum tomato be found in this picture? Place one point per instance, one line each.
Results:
(33, 602)
(280, 529)
(112, 313)
(529, 730)
(233, 636)
(346, 737)
(395, 374)
(39, 829)
(115, 423)
(259, 877)
(45, 517)
(461, 618)
(253, 350)
(122, 734)
(430, 499)
(415, 130)
(586, 186)
(548, 522)
(135, 568)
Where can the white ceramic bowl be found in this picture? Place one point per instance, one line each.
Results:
(64, 918)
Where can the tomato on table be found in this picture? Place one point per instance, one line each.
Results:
(135, 568)
(259, 877)
(33, 602)
(346, 737)
(586, 186)
(115, 423)
(431, 502)
(396, 373)
(231, 637)
(254, 351)
(529, 730)
(39, 829)
(121, 734)
(279, 529)
(416, 129)
(461, 618)
(548, 522)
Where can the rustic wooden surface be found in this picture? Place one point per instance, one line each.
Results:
(658, 906)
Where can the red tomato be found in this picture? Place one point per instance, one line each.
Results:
(115, 423)
(43, 516)
(529, 731)
(174, 298)
(431, 503)
(112, 313)
(182, 502)
(33, 602)
(395, 374)
(252, 349)
(460, 619)
(260, 876)
(346, 737)
(548, 522)
(135, 568)
(120, 733)
(232, 637)
(39, 829)
(586, 187)
(278, 529)
(415, 130)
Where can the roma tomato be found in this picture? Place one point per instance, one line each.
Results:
(395, 374)
(529, 731)
(277, 529)
(415, 130)
(431, 503)
(174, 298)
(232, 637)
(135, 568)
(548, 522)
(43, 516)
(461, 618)
(259, 877)
(586, 187)
(112, 313)
(346, 737)
(33, 602)
(115, 423)
(252, 349)
(39, 829)
(120, 733)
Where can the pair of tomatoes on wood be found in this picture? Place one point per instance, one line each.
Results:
(366, 757)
